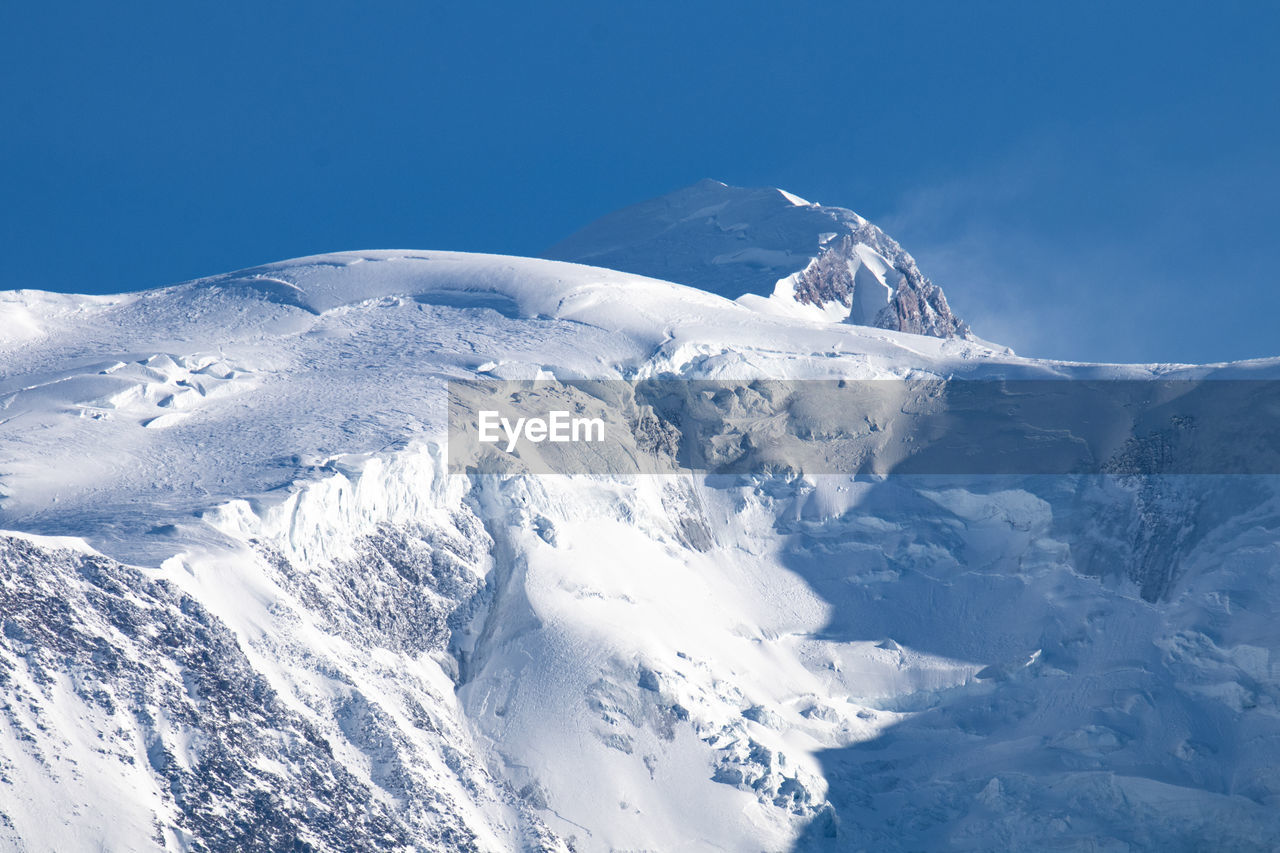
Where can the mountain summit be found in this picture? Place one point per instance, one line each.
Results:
(770, 250)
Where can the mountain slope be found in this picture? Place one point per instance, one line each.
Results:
(809, 260)
(246, 605)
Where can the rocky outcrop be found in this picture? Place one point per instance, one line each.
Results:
(905, 302)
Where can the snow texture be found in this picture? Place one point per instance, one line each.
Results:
(244, 605)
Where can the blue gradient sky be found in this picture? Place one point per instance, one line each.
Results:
(1093, 181)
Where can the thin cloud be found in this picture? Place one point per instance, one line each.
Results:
(1038, 256)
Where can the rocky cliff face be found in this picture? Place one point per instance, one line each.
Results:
(896, 297)
(129, 697)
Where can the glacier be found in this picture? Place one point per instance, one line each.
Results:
(246, 605)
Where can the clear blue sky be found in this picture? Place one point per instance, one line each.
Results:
(1089, 180)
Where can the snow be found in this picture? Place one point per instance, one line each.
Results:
(756, 246)
(657, 662)
(794, 199)
(696, 236)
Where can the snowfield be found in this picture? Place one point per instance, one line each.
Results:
(245, 606)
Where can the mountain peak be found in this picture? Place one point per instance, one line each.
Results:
(772, 250)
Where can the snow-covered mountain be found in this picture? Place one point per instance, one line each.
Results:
(245, 605)
(773, 251)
